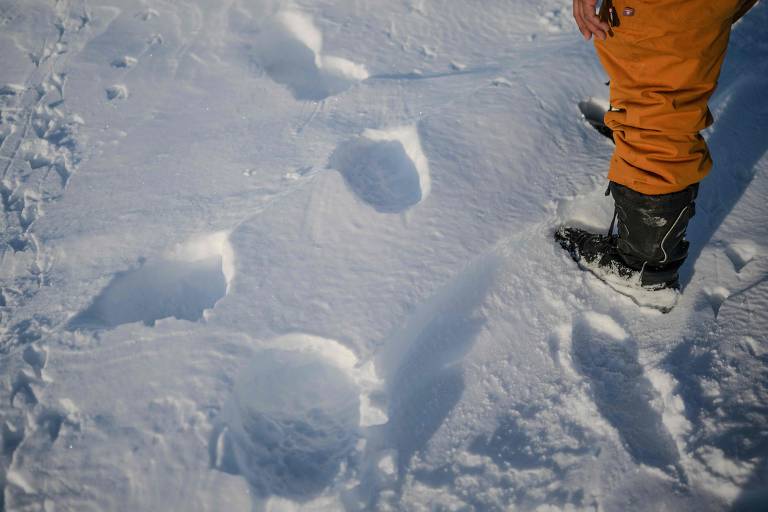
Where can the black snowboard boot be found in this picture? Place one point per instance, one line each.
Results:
(649, 246)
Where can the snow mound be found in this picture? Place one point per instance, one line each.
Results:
(187, 281)
(385, 168)
(290, 51)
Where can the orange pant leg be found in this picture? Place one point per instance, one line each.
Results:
(664, 60)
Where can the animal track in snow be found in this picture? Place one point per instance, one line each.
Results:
(501, 82)
(186, 282)
(117, 92)
(39, 152)
(28, 422)
(716, 297)
(124, 62)
(741, 253)
(6, 130)
(23, 387)
(295, 417)
(55, 145)
(289, 49)
(51, 423)
(385, 168)
(605, 355)
(12, 437)
(36, 357)
(147, 14)
(11, 89)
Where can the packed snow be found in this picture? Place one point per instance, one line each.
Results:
(298, 255)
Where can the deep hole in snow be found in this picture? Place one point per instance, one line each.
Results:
(165, 289)
(294, 419)
(289, 49)
(385, 168)
(379, 173)
(183, 286)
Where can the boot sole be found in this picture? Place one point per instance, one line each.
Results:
(663, 300)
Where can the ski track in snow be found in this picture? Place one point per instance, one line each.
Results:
(307, 423)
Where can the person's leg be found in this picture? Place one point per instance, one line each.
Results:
(663, 60)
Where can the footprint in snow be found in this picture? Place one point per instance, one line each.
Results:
(117, 92)
(289, 49)
(716, 297)
(12, 89)
(183, 285)
(147, 14)
(295, 417)
(386, 169)
(741, 253)
(607, 357)
(124, 62)
(36, 357)
(22, 391)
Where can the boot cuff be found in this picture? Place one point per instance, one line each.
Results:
(674, 201)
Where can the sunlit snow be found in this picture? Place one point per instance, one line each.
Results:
(297, 255)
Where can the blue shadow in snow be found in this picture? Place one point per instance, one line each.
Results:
(424, 366)
(623, 395)
(738, 139)
(157, 290)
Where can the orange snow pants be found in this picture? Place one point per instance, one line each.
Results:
(663, 58)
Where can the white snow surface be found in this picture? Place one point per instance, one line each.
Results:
(281, 256)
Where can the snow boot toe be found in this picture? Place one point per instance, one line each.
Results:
(598, 253)
(600, 256)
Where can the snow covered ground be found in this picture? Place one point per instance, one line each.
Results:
(272, 255)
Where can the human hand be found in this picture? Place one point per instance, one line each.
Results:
(589, 23)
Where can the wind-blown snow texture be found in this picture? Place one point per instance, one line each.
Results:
(261, 255)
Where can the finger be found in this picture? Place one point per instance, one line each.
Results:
(584, 28)
(589, 22)
(578, 16)
(592, 20)
(601, 26)
(604, 25)
(595, 26)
